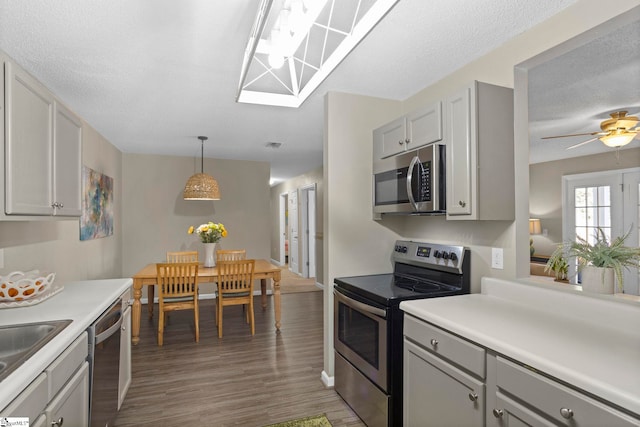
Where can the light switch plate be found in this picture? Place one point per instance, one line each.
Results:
(497, 258)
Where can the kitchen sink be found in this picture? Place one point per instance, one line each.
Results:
(19, 342)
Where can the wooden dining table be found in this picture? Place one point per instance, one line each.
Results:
(264, 271)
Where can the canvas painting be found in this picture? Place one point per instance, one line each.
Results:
(97, 205)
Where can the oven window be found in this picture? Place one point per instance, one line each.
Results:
(359, 333)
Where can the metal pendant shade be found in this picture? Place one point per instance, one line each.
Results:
(201, 186)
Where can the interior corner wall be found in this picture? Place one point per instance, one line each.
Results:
(304, 180)
(156, 217)
(353, 243)
(54, 245)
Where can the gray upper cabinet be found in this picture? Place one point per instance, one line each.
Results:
(67, 165)
(479, 139)
(409, 132)
(43, 149)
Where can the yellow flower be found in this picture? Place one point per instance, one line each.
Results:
(190, 231)
(224, 233)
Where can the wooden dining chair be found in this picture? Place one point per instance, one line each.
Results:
(178, 290)
(235, 287)
(180, 256)
(230, 254)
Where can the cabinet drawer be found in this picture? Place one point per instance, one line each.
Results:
(66, 364)
(561, 403)
(462, 353)
(31, 402)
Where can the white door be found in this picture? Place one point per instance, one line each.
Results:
(282, 232)
(293, 231)
(308, 230)
(606, 200)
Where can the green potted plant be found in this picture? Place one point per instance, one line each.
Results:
(560, 268)
(601, 263)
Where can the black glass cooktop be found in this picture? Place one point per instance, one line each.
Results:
(389, 290)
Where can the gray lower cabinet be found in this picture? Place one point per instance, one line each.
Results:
(452, 381)
(437, 393)
(59, 395)
(526, 397)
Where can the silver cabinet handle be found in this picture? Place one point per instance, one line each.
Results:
(400, 142)
(407, 141)
(566, 413)
(461, 203)
(434, 342)
(61, 205)
(473, 396)
(57, 423)
(498, 413)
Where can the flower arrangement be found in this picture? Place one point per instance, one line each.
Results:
(209, 232)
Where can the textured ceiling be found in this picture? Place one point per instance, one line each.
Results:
(151, 75)
(574, 92)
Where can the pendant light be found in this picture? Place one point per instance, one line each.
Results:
(201, 186)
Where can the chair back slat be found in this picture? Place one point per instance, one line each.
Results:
(235, 276)
(183, 256)
(177, 279)
(230, 254)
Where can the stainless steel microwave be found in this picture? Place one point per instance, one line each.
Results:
(412, 183)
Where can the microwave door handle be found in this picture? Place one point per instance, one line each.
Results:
(412, 199)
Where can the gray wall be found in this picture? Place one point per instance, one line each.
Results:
(156, 217)
(545, 189)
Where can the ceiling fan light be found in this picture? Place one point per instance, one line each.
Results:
(617, 139)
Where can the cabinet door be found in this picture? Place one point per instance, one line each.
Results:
(28, 148)
(125, 356)
(512, 414)
(438, 394)
(460, 138)
(67, 162)
(424, 126)
(71, 405)
(390, 138)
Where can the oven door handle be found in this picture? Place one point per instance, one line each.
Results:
(414, 161)
(359, 305)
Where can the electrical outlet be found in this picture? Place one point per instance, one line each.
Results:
(497, 258)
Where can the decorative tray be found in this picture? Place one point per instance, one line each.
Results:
(20, 289)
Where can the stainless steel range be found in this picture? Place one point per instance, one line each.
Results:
(368, 324)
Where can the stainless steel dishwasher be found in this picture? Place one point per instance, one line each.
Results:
(104, 365)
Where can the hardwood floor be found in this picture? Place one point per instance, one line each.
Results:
(238, 380)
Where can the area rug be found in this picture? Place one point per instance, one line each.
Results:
(315, 421)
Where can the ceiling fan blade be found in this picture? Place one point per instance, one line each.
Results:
(574, 134)
(581, 143)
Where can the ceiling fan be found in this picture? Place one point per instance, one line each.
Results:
(616, 132)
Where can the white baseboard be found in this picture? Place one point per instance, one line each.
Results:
(327, 380)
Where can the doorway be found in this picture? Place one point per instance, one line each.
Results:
(606, 200)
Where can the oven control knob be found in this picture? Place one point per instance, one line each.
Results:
(453, 256)
(404, 249)
(445, 255)
(437, 254)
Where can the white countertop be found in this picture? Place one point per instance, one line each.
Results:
(592, 343)
(81, 302)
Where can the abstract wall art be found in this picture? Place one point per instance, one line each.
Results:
(97, 205)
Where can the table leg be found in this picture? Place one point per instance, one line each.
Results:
(263, 292)
(276, 298)
(135, 313)
(150, 297)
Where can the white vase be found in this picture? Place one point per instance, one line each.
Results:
(209, 254)
(598, 280)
